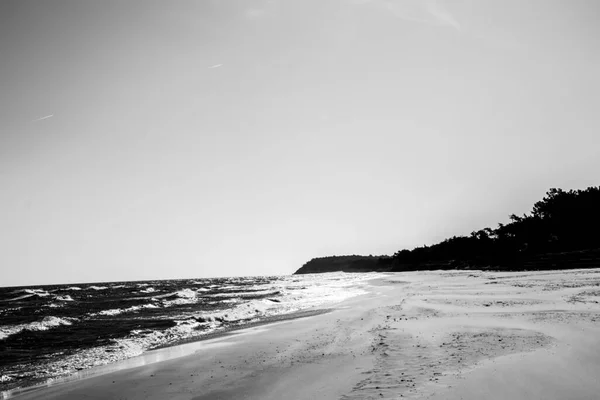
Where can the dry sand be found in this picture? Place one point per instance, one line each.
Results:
(434, 335)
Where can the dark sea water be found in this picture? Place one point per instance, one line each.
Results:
(47, 332)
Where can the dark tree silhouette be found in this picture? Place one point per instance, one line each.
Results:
(561, 222)
(561, 231)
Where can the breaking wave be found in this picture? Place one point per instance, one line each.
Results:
(97, 287)
(45, 324)
(117, 311)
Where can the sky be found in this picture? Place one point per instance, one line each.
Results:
(152, 140)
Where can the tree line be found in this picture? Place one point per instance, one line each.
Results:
(562, 222)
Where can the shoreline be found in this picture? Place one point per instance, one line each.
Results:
(131, 362)
(231, 330)
(428, 335)
(37, 352)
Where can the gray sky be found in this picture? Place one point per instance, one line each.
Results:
(154, 139)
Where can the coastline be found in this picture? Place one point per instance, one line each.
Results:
(43, 341)
(165, 352)
(438, 335)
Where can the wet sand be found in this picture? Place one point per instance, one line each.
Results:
(436, 335)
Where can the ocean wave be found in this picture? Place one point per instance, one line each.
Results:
(9, 310)
(226, 287)
(248, 311)
(180, 297)
(185, 294)
(148, 290)
(68, 289)
(97, 287)
(117, 311)
(59, 301)
(41, 292)
(183, 329)
(38, 292)
(48, 323)
(25, 296)
(43, 325)
(247, 295)
(30, 294)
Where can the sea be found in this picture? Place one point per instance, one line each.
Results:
(50, 332)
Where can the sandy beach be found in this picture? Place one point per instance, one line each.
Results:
(433, 335)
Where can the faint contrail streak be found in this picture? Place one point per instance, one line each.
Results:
(427, 12)
(216, 66)
(46, 117)
(442, 16)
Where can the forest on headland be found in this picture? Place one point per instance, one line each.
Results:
(561, 231)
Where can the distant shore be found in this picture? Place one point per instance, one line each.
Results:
(433, 335)
(559, 233)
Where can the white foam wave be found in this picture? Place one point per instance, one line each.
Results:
(25, 296)
(43, 325)
(248, 294)
(226, 287)
(117, 311)
(288, 296)
(29, 293)
(184, 296)
(48, 323)
(40, 292)
(98, 287)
